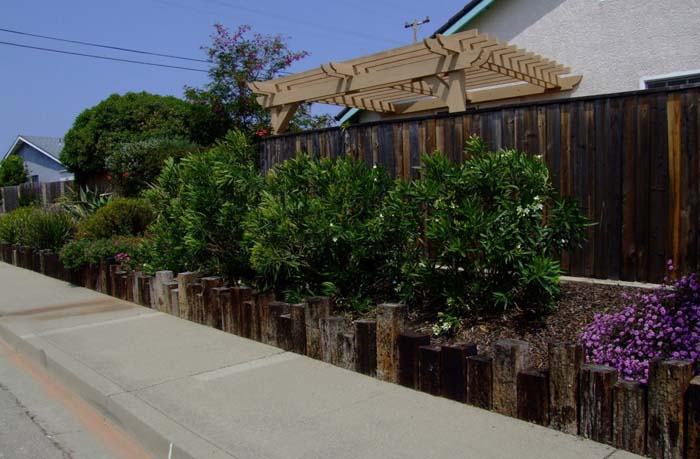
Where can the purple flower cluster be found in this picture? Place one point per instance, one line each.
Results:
(664, 323)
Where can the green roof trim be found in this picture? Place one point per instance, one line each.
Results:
(467, 18)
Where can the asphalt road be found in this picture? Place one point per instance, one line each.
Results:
(40, 419)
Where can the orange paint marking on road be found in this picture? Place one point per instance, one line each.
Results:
(107, 434)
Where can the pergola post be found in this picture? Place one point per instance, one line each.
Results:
(281, 116)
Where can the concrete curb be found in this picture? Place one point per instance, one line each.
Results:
(152, 429)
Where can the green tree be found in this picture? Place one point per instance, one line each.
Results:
(12, 171)
(241, 57)
(133, 117)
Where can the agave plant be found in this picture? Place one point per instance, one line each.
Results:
(86, 203)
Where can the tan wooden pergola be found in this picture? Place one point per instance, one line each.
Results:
(442, 72)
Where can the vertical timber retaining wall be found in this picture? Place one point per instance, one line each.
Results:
(660, 419)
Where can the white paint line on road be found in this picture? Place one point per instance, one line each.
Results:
(247, 366)
(92, 325)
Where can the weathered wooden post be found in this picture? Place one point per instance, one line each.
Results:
(347, 351)
(480, 381)
(184, 287)
(668, 382)
(693, 435)
(454, 370)
(533, 396)
(141, 290)
(284, 331)
(510, 357)
(238, 296)
(162, 299)
(429, 369)
(196, 308)
(408, 343)
(317, 308)
(262, 299)
(171, 308)
(298, 332)
(174, 295)
(565, 360)
(332, 328)
(391, 318)
(247, 312)
(212, 314)
(596, 400)
(271, 313)
(222, 298)
(630, 417)
(365, 346)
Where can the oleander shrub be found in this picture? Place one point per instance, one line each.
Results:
(483, 235)
(663, 323)
(313, 230)
(201, 203)
(83, 252)
(135, 165)
(119, 217)
(37, 228)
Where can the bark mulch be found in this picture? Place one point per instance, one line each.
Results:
(575, 309)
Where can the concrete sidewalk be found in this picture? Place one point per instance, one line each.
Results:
(215, 395)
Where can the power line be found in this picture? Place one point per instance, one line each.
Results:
(118, 48)
(94, 56)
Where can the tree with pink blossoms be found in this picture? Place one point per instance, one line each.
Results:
(241, 56)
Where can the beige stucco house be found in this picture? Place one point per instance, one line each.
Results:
(616, 45)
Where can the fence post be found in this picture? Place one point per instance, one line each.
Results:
(284, 331)
(238, 296)
(565, 360)
(347, 351)
(317, 308)
(247, 312)
(533, 396)
(160, 290)
(480, 381)
(211, 310)
(408, 344)
(668, 382)
(693, 434)
(262, 299)
(630, 417)
(298, 332)
(454, 370)
(510, 356)
(332, 329)
(269, 328)
(429, 369)
(596, 386)
(222, 298)
(184, 287)
(365, 347)
(390, 321)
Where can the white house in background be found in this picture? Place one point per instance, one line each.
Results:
(616, 45)
(41, 158)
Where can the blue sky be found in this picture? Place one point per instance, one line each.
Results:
(41, 93)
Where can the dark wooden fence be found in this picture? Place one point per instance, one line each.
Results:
(660, 419)
(43, 194)
(631, 159)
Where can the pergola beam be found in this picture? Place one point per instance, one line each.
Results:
(441, 72)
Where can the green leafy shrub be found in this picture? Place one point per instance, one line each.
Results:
(37, 228)
(12, 171)
(202, 202)
(14, 224)
(129, 118)
(482, 235)
(119, 217)
(135, 165)
(83, 252)
(313, 231)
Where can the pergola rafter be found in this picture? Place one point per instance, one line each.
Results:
(445, 71)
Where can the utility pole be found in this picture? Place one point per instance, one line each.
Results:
(415, 25)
